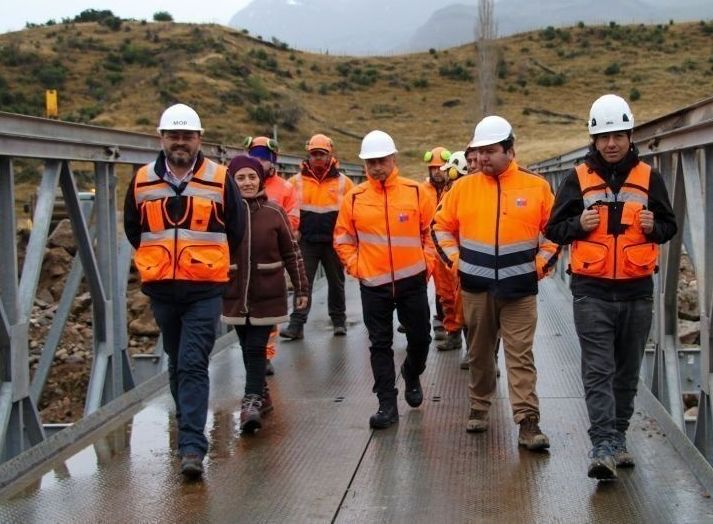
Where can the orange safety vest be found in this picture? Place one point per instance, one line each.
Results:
(604, 255)
(491, 230)
(193, 248)
(381, 234)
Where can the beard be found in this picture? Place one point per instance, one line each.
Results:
(178, 160)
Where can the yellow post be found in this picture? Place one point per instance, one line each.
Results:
(51, 103)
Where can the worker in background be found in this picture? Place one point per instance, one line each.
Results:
(283, 194)
(183, 216)
(436, 184)
(320, 189)
(382, 238)
(489, 228)
(613, 210)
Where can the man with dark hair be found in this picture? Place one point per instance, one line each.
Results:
(613, 210)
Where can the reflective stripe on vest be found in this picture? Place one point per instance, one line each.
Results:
(322, 207)
(186, 248)
(604, 255)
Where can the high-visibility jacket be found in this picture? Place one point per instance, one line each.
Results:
(381, 234)
(605, 255)
(319, 201)
(435, 192)
(490, 228)
(281, 192)
(192, 248)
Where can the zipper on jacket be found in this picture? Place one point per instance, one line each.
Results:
(497, 229)
(388, 238)
(248, 217)
(175, 239)
(616, 235)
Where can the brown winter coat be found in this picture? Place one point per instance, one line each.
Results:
(257, 289)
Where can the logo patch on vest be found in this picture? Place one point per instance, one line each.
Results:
(403, 217)
(520, 202)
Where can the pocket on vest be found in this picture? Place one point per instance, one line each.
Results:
(640, 259)
(588, 258)
(153, 262)
(203, 263)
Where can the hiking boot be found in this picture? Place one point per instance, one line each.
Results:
(292, 332)
(192, 465)
(531, 436)
(400, 328)
(269, 369)
(439, 333)
(387, 414)
(477, 421)
(250, 413)
(453, 341)
(622, 457)
(266, 406)
(340, 330)
(413, 393)
(603, 465)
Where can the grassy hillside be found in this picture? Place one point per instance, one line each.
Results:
(123, 76)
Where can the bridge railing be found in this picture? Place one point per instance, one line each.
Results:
(680, 145)
(103, 259)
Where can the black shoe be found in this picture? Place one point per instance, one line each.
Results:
(401, 328)
(413, 393)
(388, 414)
(603, 465)
(292, 332)
(269, 369)
(192, 465)
(250, 413)
(340, 330)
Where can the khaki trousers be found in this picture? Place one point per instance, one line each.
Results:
(515, 319)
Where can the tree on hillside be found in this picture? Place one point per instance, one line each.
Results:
(162, 16)
(486, 41)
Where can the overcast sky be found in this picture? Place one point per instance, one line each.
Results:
(39, 11)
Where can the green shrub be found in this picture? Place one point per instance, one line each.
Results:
(455, 71)
(551, 80)
(421, 83)
(612, 69)
(162, 16)
(51, 76)
(634, 94)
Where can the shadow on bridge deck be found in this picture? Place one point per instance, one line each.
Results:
(317, 460)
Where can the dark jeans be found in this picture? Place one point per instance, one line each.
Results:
(189, 331)
(612, 335)
(253, 340)
(313, 253)
(408, 296)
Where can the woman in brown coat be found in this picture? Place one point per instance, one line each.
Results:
(256, 298)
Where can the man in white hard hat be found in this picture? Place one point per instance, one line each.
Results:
(614, 211)
(183, 216)
(381, 236)
(488, 229)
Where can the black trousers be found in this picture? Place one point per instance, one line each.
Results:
(613, 336)
(409, 298)
(253, 340)
(313, 254)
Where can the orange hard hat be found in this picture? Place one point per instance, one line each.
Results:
(320, 141)
(437, 156)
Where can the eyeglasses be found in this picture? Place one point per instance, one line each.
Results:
(445, 155)
(269, 143)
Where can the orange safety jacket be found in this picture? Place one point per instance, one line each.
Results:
(602, 254)
(381, 234)
(283, 194)
(490, 229)
(193, 248)
(319, 201)
(435, 192)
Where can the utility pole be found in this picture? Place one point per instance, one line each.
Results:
(486, 43)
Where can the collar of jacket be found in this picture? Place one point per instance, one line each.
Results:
(257, 201)
(509, 171)
(160, 166)
(330, 171)
(594, 161)
(390, 180)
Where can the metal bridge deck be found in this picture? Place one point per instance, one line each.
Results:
(317, 461)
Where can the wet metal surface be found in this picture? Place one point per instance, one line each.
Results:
(316, 459)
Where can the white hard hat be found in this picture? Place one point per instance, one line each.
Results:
(377, 144)
(180, 117)
(491, 130)
(610, 113)
(458, 162)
